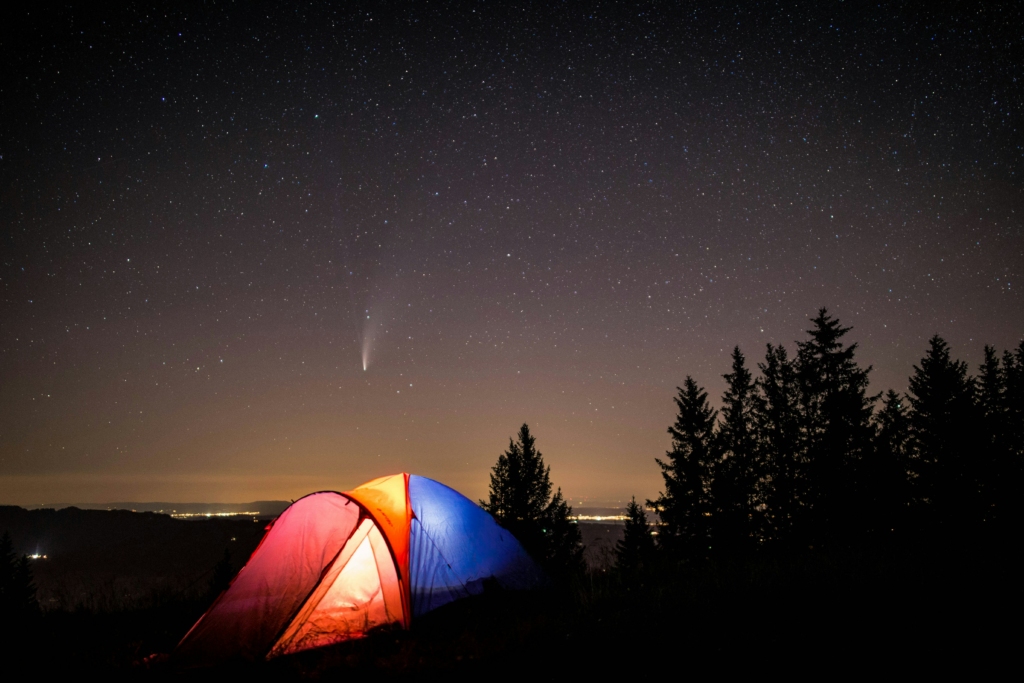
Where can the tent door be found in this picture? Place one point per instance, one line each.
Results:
(359, 592)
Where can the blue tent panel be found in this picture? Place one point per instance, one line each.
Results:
(455, 546)
(434, 583)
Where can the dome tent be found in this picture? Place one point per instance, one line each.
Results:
(335, 566)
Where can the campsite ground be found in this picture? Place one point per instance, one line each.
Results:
(818, 612)
(902, 603)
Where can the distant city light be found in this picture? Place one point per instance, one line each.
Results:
(193, 515)
(36, 556)
(599, 518)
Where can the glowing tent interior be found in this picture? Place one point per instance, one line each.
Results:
(335, 566)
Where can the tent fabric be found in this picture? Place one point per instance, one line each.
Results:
(335, 566)
(246, 619)
(387, 501)
(359, 592)
(456, 546)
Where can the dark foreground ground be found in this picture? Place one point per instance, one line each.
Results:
(901, 606)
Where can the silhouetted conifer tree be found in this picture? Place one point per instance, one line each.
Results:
(1013, 369)
(520, 500)
(25, 594)
(685, 505)
(778, 450)
(8, 564)
(734, 486)
(521, 490)
(994, 411)
(991, 389)
(633, 552)
(835, 416)
(18, 603)
(944, 421)
(563, 542)
(885, 469)
(1010, 470)
(800, 455)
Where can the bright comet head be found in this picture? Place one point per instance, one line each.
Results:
(367, 347)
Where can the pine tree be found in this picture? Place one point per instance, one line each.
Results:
(1013, 370)
(1010, 471)
(993, 410)
(778, 459)
(735, 477)
(18, 602)
(8, 565)
(1001, 401)
(520, 500)
(835, 426)
(563, 542)
(944, 422)
(991, 388)
(521, 491)
(685, 505)
(885, 469)
(25, 595)
(633, 552)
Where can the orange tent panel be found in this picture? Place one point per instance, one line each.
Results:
(387, 501)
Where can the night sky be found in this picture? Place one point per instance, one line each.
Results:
(250, 252)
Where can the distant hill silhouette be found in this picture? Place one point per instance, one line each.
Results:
(112, 558)
(266, 508)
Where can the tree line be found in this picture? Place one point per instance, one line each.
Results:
(803, 454)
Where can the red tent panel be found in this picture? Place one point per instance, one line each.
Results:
(247, 618)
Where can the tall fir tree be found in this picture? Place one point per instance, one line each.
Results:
(885, 468)
(563, 541)
(1010, 470)
(835, 413)
(993, 410)
(736, 473)
(685, 505)
(520, 500)
(944, 422)
(778, 458)
(521, 490)
(1013, 370)
(8, 567)
(18, 603)
(634, 551)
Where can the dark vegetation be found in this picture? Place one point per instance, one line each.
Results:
(115, 585)
(802, 456)
(807, 526)
(520, 499)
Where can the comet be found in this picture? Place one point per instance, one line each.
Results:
(369, 337)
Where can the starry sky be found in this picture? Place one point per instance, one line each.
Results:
(253, 250)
